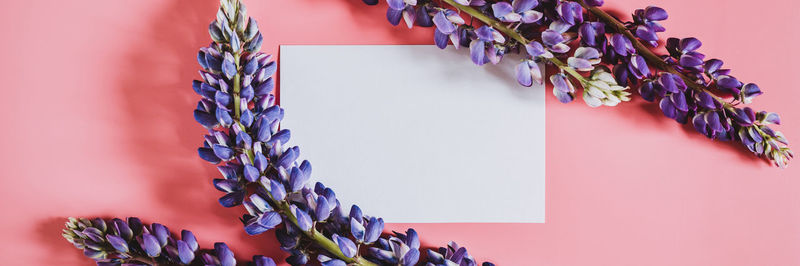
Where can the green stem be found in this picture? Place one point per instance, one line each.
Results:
(318, 238)
(512, 34)
(649, 56)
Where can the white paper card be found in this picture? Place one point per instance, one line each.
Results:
(412, 133)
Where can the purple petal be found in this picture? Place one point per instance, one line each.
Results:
(728, 82)
(188, 237)
(712, 65)
(655, 13)
(323, 209)
(668, 83)
(118, 243)
(639, 66)
(303, 220)
(346, 245)
(223, 152)
(621, 74)
(265, 87)
(355, 212)
(647, 91)
(535, 48)
(550, 37)
(560, 82)
(477, 52)
(224, 117)
(374, 230)
(565, 12)
(251, 173)
(621, 44)
(531, 16)
(594, 3)
(712, 119)
(703, 99)
(423, 17)
(645, 33)
(232, 199)
(524, 5)
(485, 33)
(679, 101)
(357, 229)
(270, 220)
(501, 9)
(587, 53)
(700, 124)
(523, 73)
(772, 118)
(150, 245)
(690, 61)
(224, 254)
(287, 158)
(741, 117)
(750, 91)
(396, 4)
(410, 258)
(409, 16)
(689, 44)
(277, 190)
(440, 39)
(266, 261)
(394, 15)
(579, 64)
(228, 67)
(588, 34)
(161, 233)
(412, 238)
(560, 89)
(205, 119)
(667, 108)
(185, 252)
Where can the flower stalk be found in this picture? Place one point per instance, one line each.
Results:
(131, 242)
(261, 172)
(611, 56)
(653, 59)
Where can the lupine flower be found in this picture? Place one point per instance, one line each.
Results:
(683, 82)
(447, 27)
(562, 88)
(646, 21)
(517, 11)
(131, 242)
(471, 2)
(604, 90)
(401, 9)
(452, 255)
(593, 34)
(528, 72)
(554, 41)
(478, 51)
(262, 171)
(584, 59)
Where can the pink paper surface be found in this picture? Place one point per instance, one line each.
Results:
(97, 113)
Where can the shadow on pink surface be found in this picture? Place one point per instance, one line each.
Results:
(157, 100)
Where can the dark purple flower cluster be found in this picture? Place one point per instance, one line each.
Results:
(131, 242)
(684, 83)
(262, 172)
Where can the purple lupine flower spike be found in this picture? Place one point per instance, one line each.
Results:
(621, 48)
(117, 242)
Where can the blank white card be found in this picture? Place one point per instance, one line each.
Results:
(415, 134)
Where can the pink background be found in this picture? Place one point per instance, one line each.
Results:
(97, 109)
